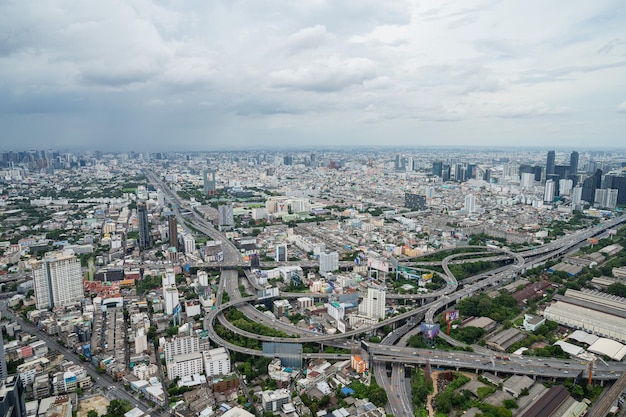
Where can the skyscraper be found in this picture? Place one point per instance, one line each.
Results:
(144, 226)
(172, 229)
(58, 280)
(573, 163)
(12, 393)
(209, 182)
(225, 217)
(550, 163)
(437, 168)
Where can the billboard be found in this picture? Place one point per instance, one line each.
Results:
(378, 264)
(427, 277)
(429, 330)
(451, 315)
(176, 309)
(409, 273)
(271, 292)
(341, 326)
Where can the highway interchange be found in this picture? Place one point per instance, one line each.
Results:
(387, 352)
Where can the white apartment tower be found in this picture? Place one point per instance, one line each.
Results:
(216, 362)
(170, 296)
(58, 280)
(180, 345)
(548, 194)
(329, 262)
(373, 305)
(470, 203)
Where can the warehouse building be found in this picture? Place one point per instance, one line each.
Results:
(593, 321)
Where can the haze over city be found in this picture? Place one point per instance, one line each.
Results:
(195, 75)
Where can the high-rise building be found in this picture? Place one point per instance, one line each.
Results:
(12, 394)
(225, 218)
(179, 345)
(280, 252)
(415, 201)
(3, 360)
(58, 280)
(550, 163)
(445, 173)
(565, 187)
(160, 198)
(573, 165)
(172, 229)
(548, 194)
(170, 296)
(144, 226)
(216, 362)
(617, 183)
(470, 203)
(329, 262)
(373, 304)
(437, 168)
(209, 182)
(606, 198)
(577, 194)
(528, 180)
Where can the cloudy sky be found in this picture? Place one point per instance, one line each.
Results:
(203, 75)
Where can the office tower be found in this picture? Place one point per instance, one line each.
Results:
(415, 201)
(409, 164)
(3, 360)
(12, 393)
(550, 163)
(398, 163)
(487, 175)
(58, 280)
(373, 305)
(562, 171)
(226, 220)
(470, 203)
(445, 173)
(329, 262)
(437, 168)
(549, 192)
(172, 229)
(471, 171)
(573, 163)
(288, 160)
(189, 243)
(209, 182)
(280, 252)
(313, 160)
(537, 170)
(144, 226)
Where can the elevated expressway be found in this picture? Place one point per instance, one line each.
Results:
(446, 297)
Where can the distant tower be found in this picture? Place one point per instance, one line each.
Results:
(225, 218)
(550, 163)
(548, 195)
(470, 203)
(172, 228)
(437, 168)
(144, 226)
(209, 182)
(573, 163)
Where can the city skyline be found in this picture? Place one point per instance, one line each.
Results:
(229, 76)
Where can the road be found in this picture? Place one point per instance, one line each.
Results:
(113, 389)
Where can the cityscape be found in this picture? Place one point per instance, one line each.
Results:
(312, 208)
(339, 282)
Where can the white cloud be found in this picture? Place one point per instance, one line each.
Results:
(245, 66)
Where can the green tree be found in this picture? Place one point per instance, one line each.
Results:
(92, 413)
